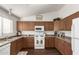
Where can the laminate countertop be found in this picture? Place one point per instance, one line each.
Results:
(4, 42)
(67, 39)
(9, 40)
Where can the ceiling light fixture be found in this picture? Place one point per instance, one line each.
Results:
(10, 11)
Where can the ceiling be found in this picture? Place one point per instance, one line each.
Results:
(24, 10)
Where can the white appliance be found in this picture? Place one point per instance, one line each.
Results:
(5, 50)
(39, 39)
(75, 36)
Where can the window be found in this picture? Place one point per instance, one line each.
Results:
(0, 26)
(6, 26)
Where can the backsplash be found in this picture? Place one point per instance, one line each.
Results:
(67, 33)
(28, 32)
(33, 32)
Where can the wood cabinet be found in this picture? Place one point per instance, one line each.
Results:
(62, 25)
(56, 41)
(59, 25)
(49, 26)
(13, 48)
(56, 25)
(19, 25)
(28, 42)
(68, 24)
(29, 26)
(68, 20)
(63, 46)
(67, 49)
(16, 46)
(49, 42)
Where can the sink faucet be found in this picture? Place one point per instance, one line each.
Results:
(6, 38)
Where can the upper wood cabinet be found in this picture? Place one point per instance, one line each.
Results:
(62, 25)
(29, 26)
(68, 20)
(49, 26)
(56, 25)
(68, 24)
(19, 25)
(59, 25)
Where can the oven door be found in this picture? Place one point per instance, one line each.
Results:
(39, 43)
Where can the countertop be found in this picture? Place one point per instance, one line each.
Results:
(4, 42)
(67, 39)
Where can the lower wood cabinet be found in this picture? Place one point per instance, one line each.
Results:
(63, 47)
(49, 42)
(16, 46)
(67, 49)
(28, 42)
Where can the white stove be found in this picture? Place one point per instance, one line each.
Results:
(39, 39)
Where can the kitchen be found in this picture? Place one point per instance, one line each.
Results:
(38, 29)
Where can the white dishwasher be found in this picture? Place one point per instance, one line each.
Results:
(5, 49)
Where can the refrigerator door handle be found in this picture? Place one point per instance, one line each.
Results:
(72, 35)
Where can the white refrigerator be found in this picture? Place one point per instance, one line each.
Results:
(75, 36)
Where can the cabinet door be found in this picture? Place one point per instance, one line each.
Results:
(19, 25)
(68, 20)
(56, 25)
(56, 43)
(51, 26)
(61, 25)
(29, 42)
(49, 42)
(68, 23)
(13, 48)
(68, 50)
(19, 44)
(16, 46)
(61, 47)
(28, 26)
(46, 42)
(48, 26)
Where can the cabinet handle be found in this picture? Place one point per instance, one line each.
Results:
(41, 42)
(37, 42)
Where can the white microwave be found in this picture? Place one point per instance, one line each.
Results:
(39, 28)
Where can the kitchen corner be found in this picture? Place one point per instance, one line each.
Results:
(48, 35)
